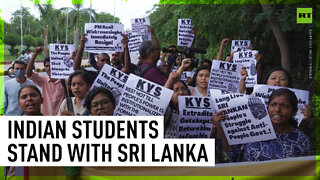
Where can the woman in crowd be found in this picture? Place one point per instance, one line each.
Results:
(281, 77)
(79, 82)
(100, 102)
(172, 114)
(290, 141)
(30, 100)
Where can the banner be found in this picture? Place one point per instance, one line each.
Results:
(61, 64)
(265, 91)
(248, 119)
(239, 45)
(185, 37)
(224, 76)
(140, 26)
(247, 60)
(101, 36)
(195, 117)
(141, 97)
(111, 79)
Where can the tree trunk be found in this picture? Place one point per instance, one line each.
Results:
(45, 43)
(76, 39)
(280, 37)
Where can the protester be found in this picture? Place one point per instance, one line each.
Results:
(30, 100)
(12, 87)
(52, 89)
(290, 141)
(100, 102)
(80, 83)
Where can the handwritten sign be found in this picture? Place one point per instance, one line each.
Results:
(141, 97)
(61, 64)
(101, 37)
(224, 76)
(248, 119)
(239, 45)
(185, 37)
(265, 91)
(195, 114)
(140, 26)
(111, 79)
(247, 60)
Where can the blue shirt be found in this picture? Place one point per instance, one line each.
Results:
(11, 103)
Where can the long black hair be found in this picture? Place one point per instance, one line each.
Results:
(291, 96)
(265, 80)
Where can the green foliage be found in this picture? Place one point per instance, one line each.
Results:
(39, 41)
(29, 40)
(12, 39)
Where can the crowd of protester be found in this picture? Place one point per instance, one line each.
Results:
(22, 96)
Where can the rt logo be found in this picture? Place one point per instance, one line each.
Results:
(304, 15)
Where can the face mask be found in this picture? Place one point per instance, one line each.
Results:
(20, 74)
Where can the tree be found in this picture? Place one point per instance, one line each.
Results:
(29, 40)
(39, 41)
(12, 39)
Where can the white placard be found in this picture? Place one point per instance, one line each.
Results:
(239, 45)
(195, 114)
(140, 26)
(111, 79)
(185, 37)
(247, 60)
(101, 36)
(141, 97)
(135, 40)
(117, 44)
(265, 91)
(248, 119)
(224, 76)
(61, 64)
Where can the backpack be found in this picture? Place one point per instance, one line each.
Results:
(141, 71)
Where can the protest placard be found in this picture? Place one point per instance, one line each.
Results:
(117, 44)
(247, 60)
(111, 79)
(248, 119)
(101, 36)
(239, 45)
(265, 91)
(185, 35)
(141, 97)
(61, 64)
(140, 26)
(195, 114)
(224, 76)
(135, 40)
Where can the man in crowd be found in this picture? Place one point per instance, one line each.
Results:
(53, 91)
(12, 87)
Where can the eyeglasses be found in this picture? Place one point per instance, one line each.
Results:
(102, 103)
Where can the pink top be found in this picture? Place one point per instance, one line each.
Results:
(52, 92)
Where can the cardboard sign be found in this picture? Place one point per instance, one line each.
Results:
(224, 76)
(247, 60)
(111, 79)
(101, 37)
(265, 91)
(135, 40)
(248, 119)
(185, 37)
(140, 26)
(141, 97)
(195, 114)
(239, 45)
(61, 64)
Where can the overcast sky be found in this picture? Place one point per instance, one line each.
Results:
(123, 9)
